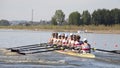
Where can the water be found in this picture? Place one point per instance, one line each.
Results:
(12, 38)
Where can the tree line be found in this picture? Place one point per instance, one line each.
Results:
(4, 23)
(98, 17)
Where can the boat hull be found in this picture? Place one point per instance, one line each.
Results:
(85, 55)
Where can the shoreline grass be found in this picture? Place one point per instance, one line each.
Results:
(69, 28)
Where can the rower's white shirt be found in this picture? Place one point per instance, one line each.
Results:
(77, 43)
(50, 41)
(72, 42)
(64, 41)
(54, 40)
(59, 40)
(85, 46)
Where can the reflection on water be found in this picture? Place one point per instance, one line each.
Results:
(12, 38)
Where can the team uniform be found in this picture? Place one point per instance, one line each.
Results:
(72, 43)
(85, 47)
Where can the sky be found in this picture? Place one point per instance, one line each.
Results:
(45, 9)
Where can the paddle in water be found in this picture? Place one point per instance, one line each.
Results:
(113, 51)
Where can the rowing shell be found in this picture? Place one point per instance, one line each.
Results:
(84, 55)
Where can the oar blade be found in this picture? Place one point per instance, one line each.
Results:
(112, 51)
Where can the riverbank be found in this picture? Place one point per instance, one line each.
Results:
(115, 29)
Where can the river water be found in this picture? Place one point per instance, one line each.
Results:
(12, 38)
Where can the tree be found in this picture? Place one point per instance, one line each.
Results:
(115, 13)
(4, 23)
(107, 19)
(74, 18)
(97, 17)
(102, 17)
(54, 22)
(58, 17)
(86, 18)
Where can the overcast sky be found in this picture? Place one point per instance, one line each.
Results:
(45, 9)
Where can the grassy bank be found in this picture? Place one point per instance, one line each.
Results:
(71, 28)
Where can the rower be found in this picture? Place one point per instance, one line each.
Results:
(70, 37)
(72, 43)
(59, 41)
(78, 43)
(63, 36)
(55, 39)
(70, 40)
(50, 41)
(85, 47)
(65, 41)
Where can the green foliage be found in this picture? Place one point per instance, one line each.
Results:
(115, 13)
(102, 17)
(86, 18)
(98, 17)
(4, 23)
(53, 21)
(74, 18)
(58, 17)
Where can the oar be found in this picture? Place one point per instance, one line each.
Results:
(39, 48)
(113, 51)
(40, 51)
(29, 46)
(24, 46)
(31, 49)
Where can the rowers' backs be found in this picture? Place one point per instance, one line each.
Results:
(72, 41)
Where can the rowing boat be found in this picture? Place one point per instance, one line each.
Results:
(31, 50)
(82, 55)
